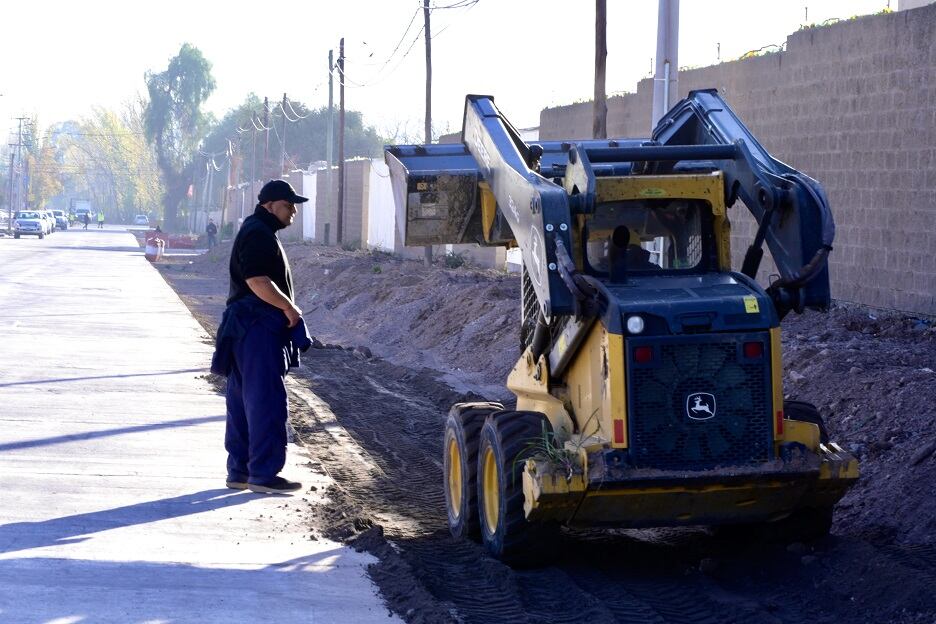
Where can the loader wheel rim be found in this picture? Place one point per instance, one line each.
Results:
(454, 479)
(491, 491)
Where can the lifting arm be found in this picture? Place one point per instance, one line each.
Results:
(791, 209)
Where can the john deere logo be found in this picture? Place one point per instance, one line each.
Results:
(700, 406)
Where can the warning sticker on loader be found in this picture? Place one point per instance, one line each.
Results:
(750, 305)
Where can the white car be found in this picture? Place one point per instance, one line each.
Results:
(141, 219)
(48, 223)
(61, 221)
(29, 222)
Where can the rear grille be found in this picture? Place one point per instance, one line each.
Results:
(699, 403)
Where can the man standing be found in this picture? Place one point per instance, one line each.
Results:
(212, 231)
(253, 344)
(86, 219)
(100, 220)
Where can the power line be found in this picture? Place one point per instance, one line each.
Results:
(456, 5)
(402, 38)
(377, 79)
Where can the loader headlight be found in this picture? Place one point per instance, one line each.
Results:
(635, 324)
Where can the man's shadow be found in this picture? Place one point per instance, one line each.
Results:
(17, 536)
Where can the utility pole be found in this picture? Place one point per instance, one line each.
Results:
(18, 189)
(227, 187)
(193, 221)
(283, 155)
(10, 198)
(341, 132)
(600, 122)
(25, 185)
(27, 181)
(266, 137)
(664, 79)
(427, 250)
(329, 137)
(253, 157)
(211, 171)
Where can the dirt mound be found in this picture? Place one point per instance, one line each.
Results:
(459, 321)
(873, 378)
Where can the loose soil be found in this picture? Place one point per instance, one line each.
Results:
(415, 339)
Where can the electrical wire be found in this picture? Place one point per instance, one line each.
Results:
(462, 4)
(402, 38)
(298, 116)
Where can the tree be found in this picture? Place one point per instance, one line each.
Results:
(46, 176)
(175, 123)
(109, 159)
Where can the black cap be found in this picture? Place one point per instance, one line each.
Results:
(279, 189)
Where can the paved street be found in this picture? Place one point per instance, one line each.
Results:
(112, 467)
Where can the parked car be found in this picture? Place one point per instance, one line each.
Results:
(29, 222)
(141, 219)
(61, 221)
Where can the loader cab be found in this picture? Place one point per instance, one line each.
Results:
(649, 237)
(655, 226)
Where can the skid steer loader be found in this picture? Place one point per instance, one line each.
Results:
(649, 389)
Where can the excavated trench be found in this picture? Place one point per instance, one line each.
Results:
(374, 424)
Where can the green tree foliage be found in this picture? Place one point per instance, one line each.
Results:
(304, 135)
(46, 175)
(174, 122)
(107, 158)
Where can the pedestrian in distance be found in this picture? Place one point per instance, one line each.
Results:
(100, 220)
(212, 231)
(86, 219)
(258, 341)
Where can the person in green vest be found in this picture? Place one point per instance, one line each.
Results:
(100, 220)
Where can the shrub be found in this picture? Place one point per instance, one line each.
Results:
(454, 260)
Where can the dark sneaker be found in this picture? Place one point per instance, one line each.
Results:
(236, 482)
(274, 485)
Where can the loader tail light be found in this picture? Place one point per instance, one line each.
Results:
(779, 422)
(753, 350)
(642, 355)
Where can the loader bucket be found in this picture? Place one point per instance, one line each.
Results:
(435, 190)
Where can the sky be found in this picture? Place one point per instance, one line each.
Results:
(64, 57)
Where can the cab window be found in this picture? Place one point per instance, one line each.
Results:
(673, 235)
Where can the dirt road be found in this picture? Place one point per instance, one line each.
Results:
(374, 424)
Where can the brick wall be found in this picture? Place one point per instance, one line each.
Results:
(852, 105)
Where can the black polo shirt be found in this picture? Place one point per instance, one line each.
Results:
(257, 251)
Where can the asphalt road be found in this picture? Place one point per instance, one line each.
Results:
(112, 467)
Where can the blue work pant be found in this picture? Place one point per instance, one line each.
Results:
(255, 438)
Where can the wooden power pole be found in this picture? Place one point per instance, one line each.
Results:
(341, 132)
(427, 250)
(283, 152)
(600, 123)
(329, 141)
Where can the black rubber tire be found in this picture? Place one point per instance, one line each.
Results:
(16, 236)
(806, 412)
(510, 436)
(463, 428)
(41, 236)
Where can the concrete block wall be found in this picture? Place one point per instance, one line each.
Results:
(354, 221)
(853, 105)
